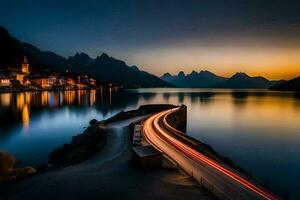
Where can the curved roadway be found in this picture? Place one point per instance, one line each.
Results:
(220, 179)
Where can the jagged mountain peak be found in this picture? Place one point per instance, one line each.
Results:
(194, 79)
(80, 60)
(243, 81)
(167, 74)
(81, 54)
(181, 73)
(193, 73)
(240, 75)
(135, 68)
(104, 56)
(104, 68)
(206, 72)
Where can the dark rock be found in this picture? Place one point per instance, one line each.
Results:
(87, 144)
(93, 122)
(82, 147)
(7, 163)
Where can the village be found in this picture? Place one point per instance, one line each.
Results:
(21, 78)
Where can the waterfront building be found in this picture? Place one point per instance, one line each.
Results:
(70, 81)
(85, 79)
(81, 86)
(92, 81)
(42, 81)
(20, 76)
(25, 66)
(52, 80)
(61, 80)
(5, 81)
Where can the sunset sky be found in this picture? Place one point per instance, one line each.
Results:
(259, 37)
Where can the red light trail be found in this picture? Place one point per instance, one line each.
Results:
(152, 124)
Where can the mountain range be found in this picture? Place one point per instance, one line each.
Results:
(111, 70)
(206, 79)
(291, 85)
(104, 67)
(203, 79)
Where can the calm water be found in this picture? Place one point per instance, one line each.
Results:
(259, 130)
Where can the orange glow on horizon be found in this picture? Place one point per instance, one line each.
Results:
(272, 63)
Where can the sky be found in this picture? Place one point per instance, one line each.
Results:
(259, 37)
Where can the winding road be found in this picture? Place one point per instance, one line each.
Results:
(108, 175)
(223, 181)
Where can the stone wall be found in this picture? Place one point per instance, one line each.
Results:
(178, 119)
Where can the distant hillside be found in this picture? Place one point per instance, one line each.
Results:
(202, 79)
(291, 85)
(51, 60)
(103, 67)
(243, 81)
(12, 52)
(110, 69)
(79, 61)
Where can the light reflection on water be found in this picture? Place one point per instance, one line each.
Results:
(257, 129)
(32, 124)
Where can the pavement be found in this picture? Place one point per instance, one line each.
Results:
(108, 175)
(225, 182)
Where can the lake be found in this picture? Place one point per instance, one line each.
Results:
(258, 129)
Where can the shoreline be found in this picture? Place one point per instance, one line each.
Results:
(41, 90)
(110, 170)
(91, 141)
(84, 147)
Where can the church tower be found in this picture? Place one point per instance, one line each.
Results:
(25, 66)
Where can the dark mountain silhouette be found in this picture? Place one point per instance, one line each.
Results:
(291, 85)
(103, 67)
(109, 69)
(79, 61)
(204, 79)
(135, 68)
(12, 52)
(52, 60)
(243, 81)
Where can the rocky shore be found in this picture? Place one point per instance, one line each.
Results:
(8, 169)
(110, 174)
(82, 147)
(92, 140)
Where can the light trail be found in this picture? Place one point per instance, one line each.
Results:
(152, 126)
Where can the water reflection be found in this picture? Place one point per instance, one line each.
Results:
(22, 105)
(5, 99)
(25, 119)
(32, 124)
(181, 98)
(92, 97)
(257, 129)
